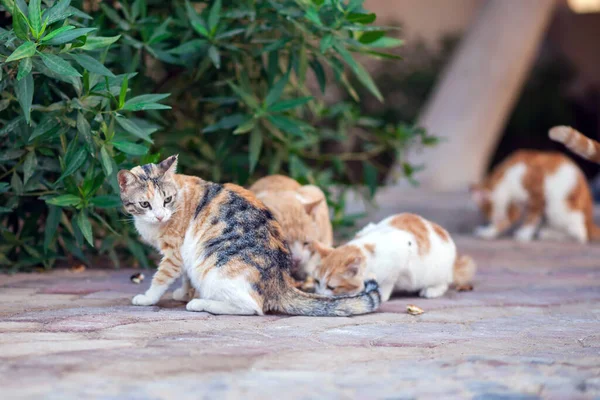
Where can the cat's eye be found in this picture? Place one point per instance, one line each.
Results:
(305, 244)
(145, 204)
(317, 282)
(330, 288)
(168, 200)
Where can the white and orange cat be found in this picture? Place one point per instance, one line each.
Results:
(545, 185)
(225, 243)
(404, 252)
(302, 213)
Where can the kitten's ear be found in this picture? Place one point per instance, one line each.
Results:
(479, 194)
(320, 248)
(126, 179)
(310, 196)
(353, 267)
(169, 165)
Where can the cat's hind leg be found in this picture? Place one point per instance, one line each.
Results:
(434, 291)
(534, 217)
(576, 227)
(183, 293)
(219, 307)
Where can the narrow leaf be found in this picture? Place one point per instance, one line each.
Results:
(214, 15)
(92, 65)
(69, 36)
(29, 166)
(35, 16)
(58, 11)
(99, 42)
(276, 91)
(134, 129)
(86, 227)
(215, 57)
(56, 32)
(24, 68)
(64, 200)
(123, 92)
(27, 49)
(24, 92)
(255, 146)
(106, 161)
(288, 104)
(361, 18)
(84, 129)
(58, 65)
(362, 75)
(131, 148)
(51, 225)
(106, 201)
(20, 24)
(75, 162)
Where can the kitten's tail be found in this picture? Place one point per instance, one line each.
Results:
(577, 142)
(464, 270)
(296, 302)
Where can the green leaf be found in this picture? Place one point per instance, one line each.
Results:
(286, 124)
(69, 36)
(313, 16)
(24, 68)
(134, 129)
(215, 57)
(29, 166)
(24, 92)
(74, 163)
(276, 91)
(51, 225)
(386, 42)
(288, 104)
(86, 227)
(364, 19)
(370, 176)
(64, 200)
(27, 49)
(58, 65)
(57, 32)
(84, 129)
(131, 148)
(16, 183)
(214, 16)
(106, 161)
(245, 127)
(255, 146)
(370, 37)
(191, 47)
(362, 75)
(146, 102)
(10, 127)
(319, 74)
(20, 24)
(196, 21)
(59, 11)
(35, 17)
(297, 168)
(326, 43)
(47, 123)
(99, 42)
(248, 98)
(123, 91)
(106, 201)
(92, 65)
(228, 122)
(160, 34)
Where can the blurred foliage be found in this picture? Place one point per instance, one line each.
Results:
(246, 81)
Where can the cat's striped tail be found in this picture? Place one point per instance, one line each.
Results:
(296, 302)
(464, 271)
(577, 142)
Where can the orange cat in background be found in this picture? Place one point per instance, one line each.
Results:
(302, 213)
(546, 184)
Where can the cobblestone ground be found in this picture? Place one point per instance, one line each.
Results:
(530, 329)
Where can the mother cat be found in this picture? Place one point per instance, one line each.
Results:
(227, 243)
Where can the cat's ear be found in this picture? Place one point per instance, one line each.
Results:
(479, 194)
(353, 267)
(126, 179)
(320, 248)
(310, 196)
(169, 165)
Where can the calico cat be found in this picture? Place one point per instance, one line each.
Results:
(302, 213)
(546, 184)
(225, 242)
(404, 252)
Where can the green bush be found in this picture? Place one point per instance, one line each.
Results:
(66, 131)
(246, 80)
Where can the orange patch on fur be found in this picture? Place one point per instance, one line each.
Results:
(370, 248)
(441, 232)
(415, 225)
(274, 183)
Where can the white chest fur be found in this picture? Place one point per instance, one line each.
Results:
(149, 232)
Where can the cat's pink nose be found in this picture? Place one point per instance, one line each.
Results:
(159, 217)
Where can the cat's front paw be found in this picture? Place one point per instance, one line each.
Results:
(486, 232)
(143, 300)
(180, 294)
(524, 234)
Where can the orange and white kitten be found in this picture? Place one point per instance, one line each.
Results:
(224, 242)
(404, 252)
(302, 213)
(545, 184)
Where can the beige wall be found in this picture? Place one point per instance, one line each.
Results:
(425, 19)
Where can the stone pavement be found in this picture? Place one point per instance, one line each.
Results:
(530, 329)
